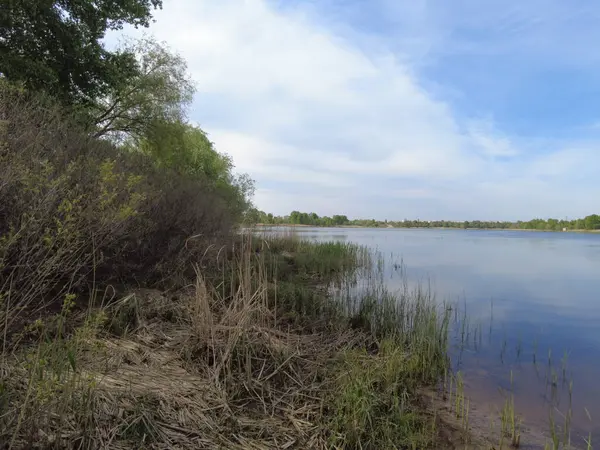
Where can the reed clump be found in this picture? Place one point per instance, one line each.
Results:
(258, 354)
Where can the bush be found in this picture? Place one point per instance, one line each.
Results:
(77, 211)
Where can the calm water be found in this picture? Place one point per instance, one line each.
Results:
(530, 296)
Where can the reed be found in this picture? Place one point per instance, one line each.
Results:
(288, 343)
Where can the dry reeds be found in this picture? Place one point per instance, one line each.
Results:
(221, 365)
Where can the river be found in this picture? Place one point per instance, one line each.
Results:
(532, 302)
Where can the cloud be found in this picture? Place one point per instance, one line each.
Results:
(488, 140)
(330, 117)
(263, 158)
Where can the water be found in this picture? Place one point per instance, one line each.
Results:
(533, 306)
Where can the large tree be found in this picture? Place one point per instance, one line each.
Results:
(158, 93)
(55, 45)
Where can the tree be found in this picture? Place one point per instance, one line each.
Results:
(54, 45)
(158, 93)
(187, 149)
(252, 216)
(340, 219)
(592, 222)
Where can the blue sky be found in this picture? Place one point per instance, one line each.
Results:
(400, 109)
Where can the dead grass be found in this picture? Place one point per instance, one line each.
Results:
(213, 366)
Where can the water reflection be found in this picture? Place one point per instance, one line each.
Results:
(531, 300)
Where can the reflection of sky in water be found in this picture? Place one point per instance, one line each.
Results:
(545, 290)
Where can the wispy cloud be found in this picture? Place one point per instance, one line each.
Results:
(330, 114)
(489, 141)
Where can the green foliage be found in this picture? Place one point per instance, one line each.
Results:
(76, 210)
(157, 93)
(136, 97)
(186, 149)
(55, 46)
(372, 402)
(300, 218)
(146, 113)
(591, 222)
(255, 216)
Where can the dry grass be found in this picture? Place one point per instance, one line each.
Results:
(215, 365)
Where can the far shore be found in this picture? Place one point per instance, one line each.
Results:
(293, 225)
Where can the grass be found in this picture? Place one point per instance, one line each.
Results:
(454, 393)
(373, 401)
(290, 344)
(511, 423)
(559, 386)
(278, 349)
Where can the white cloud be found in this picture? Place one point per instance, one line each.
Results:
(262, 158)
(573, 162)
(488, 140)
(335, 126)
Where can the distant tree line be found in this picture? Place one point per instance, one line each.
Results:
(255, 216)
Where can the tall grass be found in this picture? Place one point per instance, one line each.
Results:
(256, 355)
(376, 390)
(511, 422)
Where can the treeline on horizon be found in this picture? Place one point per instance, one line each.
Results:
(255, 216)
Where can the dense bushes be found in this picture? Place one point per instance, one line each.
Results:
(102, 179)
(75, 210)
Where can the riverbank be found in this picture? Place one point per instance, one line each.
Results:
(132, 317)
(255, 356)
(289, 225)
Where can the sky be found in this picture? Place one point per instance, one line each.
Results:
(400, 109)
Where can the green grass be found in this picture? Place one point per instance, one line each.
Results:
(372, 401)
(289, 342)
(511, 422)
(321, 260)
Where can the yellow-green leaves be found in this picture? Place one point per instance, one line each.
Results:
(118, 196)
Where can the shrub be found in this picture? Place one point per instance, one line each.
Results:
(77, 211)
